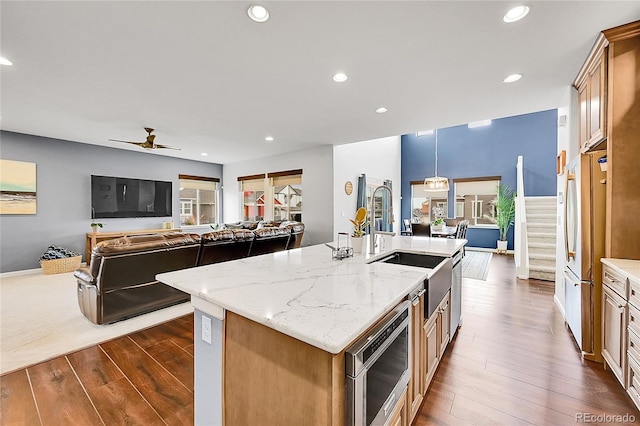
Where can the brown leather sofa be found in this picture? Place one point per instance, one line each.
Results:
(120, 281)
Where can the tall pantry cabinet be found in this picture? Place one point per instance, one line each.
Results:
(608, 88)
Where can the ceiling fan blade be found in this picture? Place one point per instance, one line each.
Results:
(165, 147)
(133, 143)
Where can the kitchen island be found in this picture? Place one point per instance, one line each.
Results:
(271, 330)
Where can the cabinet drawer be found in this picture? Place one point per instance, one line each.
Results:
(633, 387)
(634, 294)
(634, 322)
(633, 346)
(615, 281)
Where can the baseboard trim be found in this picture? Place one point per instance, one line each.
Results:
(560, 308)
(488, 250)
(26, 272)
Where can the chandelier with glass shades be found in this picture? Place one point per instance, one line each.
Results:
(436, 183)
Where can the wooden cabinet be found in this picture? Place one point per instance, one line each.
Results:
(444, 321)
(399, 417)
(614, 332)
(436, 339)
(591, 84)
(416, 385)
(608, 91)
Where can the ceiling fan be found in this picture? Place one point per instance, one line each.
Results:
(149, 143)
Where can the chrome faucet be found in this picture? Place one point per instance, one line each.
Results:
(372, 237)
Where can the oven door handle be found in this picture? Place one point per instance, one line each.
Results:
(389, 404)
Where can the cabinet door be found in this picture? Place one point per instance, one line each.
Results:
(597, 105)
(399, 416)
(614, 332)
(583, 101)
(416, 385)
(444, 319)
(431, 349)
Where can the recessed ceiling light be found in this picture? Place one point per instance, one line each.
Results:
(269, 139)
(204, 154)
(511, 78)
(258, 13)
(340, 77)
(5, 61)
(516, 14)
(381, 110)
(480, 123)
(424, 132)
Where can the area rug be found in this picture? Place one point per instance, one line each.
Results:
(475, 264)
(40, 319)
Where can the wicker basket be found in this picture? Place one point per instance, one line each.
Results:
(58, 266)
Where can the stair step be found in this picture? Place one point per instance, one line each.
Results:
(542, 245)
(542, 256)
(542, 275)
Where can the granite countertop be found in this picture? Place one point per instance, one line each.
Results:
(628, 267)
(306, 294)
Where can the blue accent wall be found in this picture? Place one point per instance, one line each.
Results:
(485, 151)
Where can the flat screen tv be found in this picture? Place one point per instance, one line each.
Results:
(126, 197)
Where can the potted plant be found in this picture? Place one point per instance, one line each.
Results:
(95, 226)
(504, 214)
(437, 224)
(359, 224)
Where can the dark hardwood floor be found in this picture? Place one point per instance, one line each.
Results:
(513, 362)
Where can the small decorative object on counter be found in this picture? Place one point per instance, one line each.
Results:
(56, 260)
(341, 251)
(359, 224)
(95, 226)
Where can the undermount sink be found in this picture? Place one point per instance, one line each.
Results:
(439, 281)
(412, 259)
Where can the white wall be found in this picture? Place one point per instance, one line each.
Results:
(317, 188)
(568, 135)
(379, 159)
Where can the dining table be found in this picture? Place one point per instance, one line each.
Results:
(445, 231)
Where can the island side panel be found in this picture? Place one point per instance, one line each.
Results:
(271, 378)
(208, 371)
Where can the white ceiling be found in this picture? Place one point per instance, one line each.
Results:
(210, 80)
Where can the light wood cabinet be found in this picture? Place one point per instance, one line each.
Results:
(431, 353)
(436, 339)
(399, 417)
(614, 332)
(444, 321)
(591, 84)
(416, 385)
(608, 91)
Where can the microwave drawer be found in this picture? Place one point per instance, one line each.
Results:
(615, 281)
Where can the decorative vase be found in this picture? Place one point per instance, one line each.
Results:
(95, 229)
(502, 246)
(356, 244)
(437, 227)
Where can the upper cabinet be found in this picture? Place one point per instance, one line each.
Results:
(609, 94)
(591, 84)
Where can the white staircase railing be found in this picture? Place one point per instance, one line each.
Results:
(520, 243)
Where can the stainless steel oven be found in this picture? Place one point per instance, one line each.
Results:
(377, 369)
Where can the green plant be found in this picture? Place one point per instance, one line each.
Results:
(505, 209)
(439, 221)
(360, 222)
(96, 225)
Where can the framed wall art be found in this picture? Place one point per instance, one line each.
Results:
(17, 187)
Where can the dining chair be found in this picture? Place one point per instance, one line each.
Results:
(407, 227)
(421, 229)
(461, 232)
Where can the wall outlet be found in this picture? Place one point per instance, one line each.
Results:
(206, 329)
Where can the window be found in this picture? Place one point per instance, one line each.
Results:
(198, 200)
(287, 195)
(427, 206)
(475, 195)
(252, 188)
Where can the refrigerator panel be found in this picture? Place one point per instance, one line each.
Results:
(572, 228)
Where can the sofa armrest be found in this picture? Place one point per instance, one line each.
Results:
(84, 274)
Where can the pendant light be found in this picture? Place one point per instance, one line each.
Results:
(436, 183)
